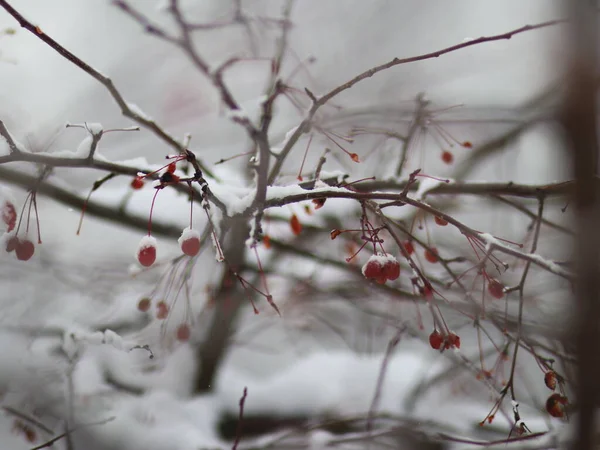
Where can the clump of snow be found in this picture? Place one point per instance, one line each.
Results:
(84, 148)
(188, 233)
(236, 114)
(285, 140)
(94, 128)
(146, 242)
(135, 109)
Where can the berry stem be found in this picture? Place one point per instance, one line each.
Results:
(151, 210)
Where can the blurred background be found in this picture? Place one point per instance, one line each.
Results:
(320, 362)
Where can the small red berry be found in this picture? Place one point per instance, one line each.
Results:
(334, 233)
(190, 242)
(467, 144)
(144, 304)
(555, 405)
(137, 183)
(432, 255)
(550, 379)
(12, 243)
(409, 247)
(295, 225)
(24, 250)
(172, 167)
(373, 268)
(162, 310)
(495, 288)
(9, 215)
(447, 157)
(441, 221)
(391, 269)
(354, 157)
(436, 339)
(266, 240)
(319, 202)
(146, 253)
(183, 332)
(453, 340)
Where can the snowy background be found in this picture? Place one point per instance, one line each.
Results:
(322, 358)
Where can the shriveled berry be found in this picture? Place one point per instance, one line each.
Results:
(435, 340)
(391, 269)
(354, 157)
(162, 310)
(495, 288)
(441, 221)
(9, 216)
(447, 157)
(295, 225)
(144, 304)
(409, 247)
(137, 183)
(555, 405)
(319, 202)
(453, 340)
(12, 243)
(432, 255)
(24, 250)
(183, 332)
(550, 379)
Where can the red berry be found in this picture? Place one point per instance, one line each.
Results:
(183, 332)
(453, 340)
(432, 255)
(550, 379)
(144, 304)
(137, 183)
(354, 157)
(495, 288)
(9, 215)
(146, 253)
(436, 339)
(441, 221)
(24, 250)
(447, 157)
(409, 247)
(147, 256)
(266, 240)
(467, 144)
(12, 243)
(191, 246)
(391, 269)
(372, 269)
(555, 405)
(172, 167)
(162, 310)
(295, 225)
(319, 202)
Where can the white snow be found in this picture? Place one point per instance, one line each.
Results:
(146, 242)
(188, 233)
(135, 109)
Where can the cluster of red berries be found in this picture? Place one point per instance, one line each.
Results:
(556, 404)
(189, 243)
(183, 331)
(381, 268)
(22, 246)
(438, 340)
